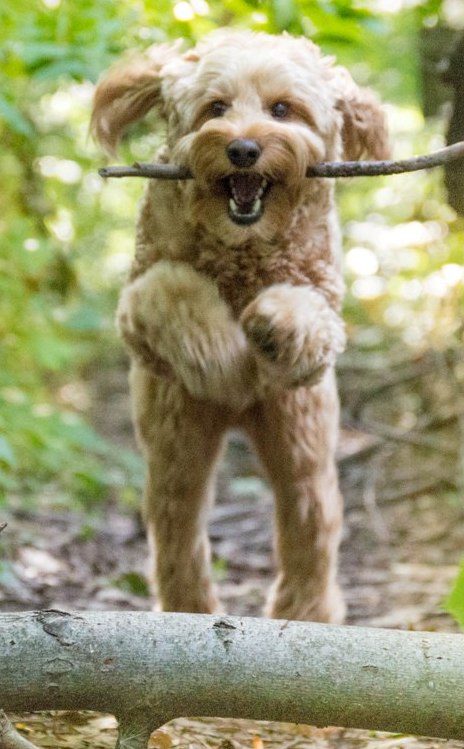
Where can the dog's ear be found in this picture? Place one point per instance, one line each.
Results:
(364, 128)
(127, 93)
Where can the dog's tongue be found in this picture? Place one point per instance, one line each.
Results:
(245, 188)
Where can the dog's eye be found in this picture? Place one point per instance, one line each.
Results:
(280, 110)
(218, 108)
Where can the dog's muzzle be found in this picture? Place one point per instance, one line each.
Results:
(245, 189)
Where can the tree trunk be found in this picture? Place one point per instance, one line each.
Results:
(454, 173)
(149, 668)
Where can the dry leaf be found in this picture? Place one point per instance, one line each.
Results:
(160, 740)
(22, 727)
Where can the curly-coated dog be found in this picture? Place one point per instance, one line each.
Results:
(232, 311)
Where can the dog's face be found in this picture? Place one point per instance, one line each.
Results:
(250, 115)
(247, 114)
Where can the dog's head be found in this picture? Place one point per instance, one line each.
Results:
(247, 114)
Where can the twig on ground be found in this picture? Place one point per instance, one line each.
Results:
(416, 488)
(410, 437)
(361, 453)
(369, 496)
(324, 169)
(3, 526)
(409, 373)
(410, 490)
(10, 738)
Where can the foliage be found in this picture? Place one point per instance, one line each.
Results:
(54, 313)
(454, 603)
(67, 238)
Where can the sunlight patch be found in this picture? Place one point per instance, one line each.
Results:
(362, 262)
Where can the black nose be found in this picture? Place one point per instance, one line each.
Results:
(243, 152)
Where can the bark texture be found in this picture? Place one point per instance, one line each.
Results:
(454, 173)
(150, 668)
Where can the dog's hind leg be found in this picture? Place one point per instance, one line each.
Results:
(295, 434)
(181, 439)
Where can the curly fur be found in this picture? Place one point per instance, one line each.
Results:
(232, 313)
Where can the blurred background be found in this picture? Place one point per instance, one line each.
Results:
(70, 475)
(66, 243)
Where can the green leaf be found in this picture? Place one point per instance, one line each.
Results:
(14, 119)
(8, 483)
(454, 603)
(85, 319)
(49, 352)
(284, 13)
(133, 582)
(66, 67)
(38, 53)
(7, 455)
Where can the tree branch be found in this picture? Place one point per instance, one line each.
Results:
(10, 738)
(152, 171)
(149, 668)
(324, 169)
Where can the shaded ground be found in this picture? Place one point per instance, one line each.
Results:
(400, 465)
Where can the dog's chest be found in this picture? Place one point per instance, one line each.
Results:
(241, 273)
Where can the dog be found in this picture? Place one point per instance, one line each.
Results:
(231, 314)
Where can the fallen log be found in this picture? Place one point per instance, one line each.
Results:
(150, 668)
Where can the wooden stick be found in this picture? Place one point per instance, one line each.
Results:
(330, 169)
(152, 171)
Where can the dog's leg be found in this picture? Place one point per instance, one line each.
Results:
(176, 324)
(181, 439)
(295, 434)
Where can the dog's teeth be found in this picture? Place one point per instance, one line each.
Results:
(256, 209)
(246, 213)
(237, 200)
(262, 188)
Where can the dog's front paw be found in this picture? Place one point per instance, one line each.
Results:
(295, 334)
(139, 331)
(176, 325)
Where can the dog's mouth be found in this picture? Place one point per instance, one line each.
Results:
(246, 191)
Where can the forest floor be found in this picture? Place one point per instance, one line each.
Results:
(400, 461)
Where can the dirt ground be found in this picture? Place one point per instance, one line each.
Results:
(400, 463)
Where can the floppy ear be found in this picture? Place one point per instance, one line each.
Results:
(127, 93)
(364, 128)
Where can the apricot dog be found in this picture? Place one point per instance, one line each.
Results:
(232, 311)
